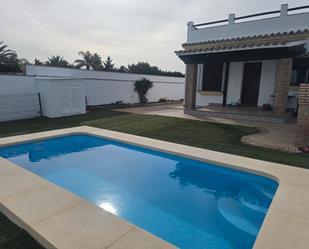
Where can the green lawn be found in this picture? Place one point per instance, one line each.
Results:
(13, 237)
(219, 137)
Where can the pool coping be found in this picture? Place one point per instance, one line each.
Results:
(63, 220)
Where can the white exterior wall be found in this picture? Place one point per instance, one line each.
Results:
(282, 23)
(234, 82)
(267, 83)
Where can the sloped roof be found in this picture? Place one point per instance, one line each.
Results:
(245, 42)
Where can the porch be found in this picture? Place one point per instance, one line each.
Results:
(245, 62)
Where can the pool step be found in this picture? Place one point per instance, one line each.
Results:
(266, 192)
(235, 224)
(252, 206)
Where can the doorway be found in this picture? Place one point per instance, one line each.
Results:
(251, 83)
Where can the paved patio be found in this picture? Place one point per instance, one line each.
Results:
(279, 136)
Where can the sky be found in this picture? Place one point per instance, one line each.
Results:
(127, 30)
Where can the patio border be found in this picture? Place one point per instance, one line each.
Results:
(63, 220)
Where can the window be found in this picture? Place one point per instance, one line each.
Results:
(300, 73)
(212, 77)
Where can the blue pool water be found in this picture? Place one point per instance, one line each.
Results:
(191, 204)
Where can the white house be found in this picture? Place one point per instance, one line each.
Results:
(255, 60)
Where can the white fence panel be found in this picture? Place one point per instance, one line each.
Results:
(19, 106)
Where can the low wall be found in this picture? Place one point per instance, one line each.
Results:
(102, 92)
(103, 88)
(15, 84)
(100, 88)
(18, 98)
(19, 106)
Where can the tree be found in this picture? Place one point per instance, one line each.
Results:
(89, 61)
(108, 65)
(9, 61)
(37, 62)
(146, 68)
(96, 62)
(85, 61)
(141, 68)
(5, 53)
(57, 61)
(141, 87)
(122, 69)
(24, 61)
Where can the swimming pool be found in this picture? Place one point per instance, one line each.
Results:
(189, 203)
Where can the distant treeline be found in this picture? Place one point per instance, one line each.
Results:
(10, 63)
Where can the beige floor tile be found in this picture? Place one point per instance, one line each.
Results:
(82, 226)
(281, 230)
(7, 168)
(139, 239)
(18, 181)
(293, 199)
(305, 239)
(40, 202)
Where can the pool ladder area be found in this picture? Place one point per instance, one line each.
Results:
(242, 217)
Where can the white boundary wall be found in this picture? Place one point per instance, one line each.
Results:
(18, 98)
(108, 87)
(96, 87)
(19, 106)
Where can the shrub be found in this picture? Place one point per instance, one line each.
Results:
(141, 87)
(163, 100)
(119, 102)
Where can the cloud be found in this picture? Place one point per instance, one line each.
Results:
(126, 30)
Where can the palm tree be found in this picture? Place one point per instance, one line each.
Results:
(5, 54)
(57, 61)
(108, 65)
(96, 62)
(86, 61)
(37, 62)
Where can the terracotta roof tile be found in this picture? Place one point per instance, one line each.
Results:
(273, 39)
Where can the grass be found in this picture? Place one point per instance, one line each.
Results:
(13, 237)
(219, 137)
